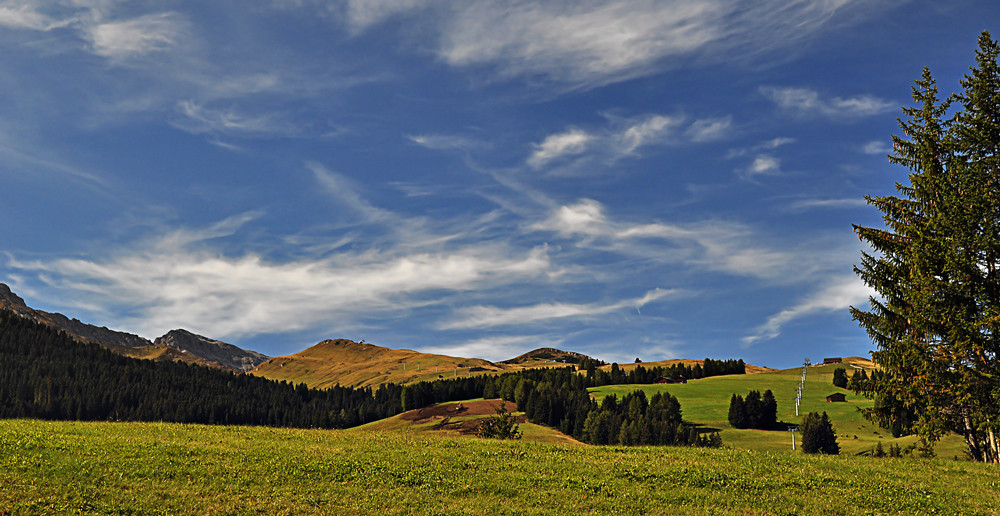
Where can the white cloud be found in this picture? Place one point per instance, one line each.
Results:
(587, 42)
(876, 147)
(763, 164)
(198, 119)
(622, 137)
(715, 245)
(443, 141)
(45, 161)
(756, 149)
(838, 295)
(808, 204)
(654, 129)
(491, 316)
(586, 217)
(807, 101)
(347, 195)
(554, 146)
(177, 280)
(364, 13)
(709, 129)
(124, 39)
(25, 15)
(496, 348)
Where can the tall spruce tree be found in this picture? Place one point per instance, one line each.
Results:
(935, 264)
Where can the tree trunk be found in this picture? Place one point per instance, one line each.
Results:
(971, 440)
(994, 446)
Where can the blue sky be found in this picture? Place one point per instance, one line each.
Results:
(652, 179)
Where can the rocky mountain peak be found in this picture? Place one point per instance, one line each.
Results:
(224, 353)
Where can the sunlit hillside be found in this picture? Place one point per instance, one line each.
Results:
(349, 363)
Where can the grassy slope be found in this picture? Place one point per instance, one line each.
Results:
(68, 467)
(530, 431)
(706, 402)
(348, 363)
(161, 352)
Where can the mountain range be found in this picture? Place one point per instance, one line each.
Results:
(328, 363)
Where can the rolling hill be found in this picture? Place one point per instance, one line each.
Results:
(461, 419)
(358, 364)
(546, 357)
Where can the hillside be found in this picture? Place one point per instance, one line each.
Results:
(157, 468)
(458, 419)
(706, 402)
(355, 364)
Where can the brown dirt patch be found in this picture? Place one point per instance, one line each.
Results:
(442, 414)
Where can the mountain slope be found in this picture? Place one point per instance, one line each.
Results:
(180, 347)
(224, 353)
(78, 330)
(355, 364)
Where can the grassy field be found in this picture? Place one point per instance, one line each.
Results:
(706, 402)
(133, 468)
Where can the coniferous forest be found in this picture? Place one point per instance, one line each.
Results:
(46, 374)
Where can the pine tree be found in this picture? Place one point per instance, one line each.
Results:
(936, 324)
(818, 435)
(769, 411)
(737, 412)
(840, 377)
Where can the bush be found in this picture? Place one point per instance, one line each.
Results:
(500, 426)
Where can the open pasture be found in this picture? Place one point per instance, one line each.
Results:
(151, 468)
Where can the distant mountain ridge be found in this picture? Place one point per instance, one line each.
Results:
(78, 330)
(224, 353)
(176, 345)
(548, 355)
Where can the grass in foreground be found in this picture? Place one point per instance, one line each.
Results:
(68, 467)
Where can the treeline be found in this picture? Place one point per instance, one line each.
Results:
(559, 398)
(756, 411)
(45, 374)
(642, 375)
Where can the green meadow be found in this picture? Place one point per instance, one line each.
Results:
(156, 468)
(706, 402)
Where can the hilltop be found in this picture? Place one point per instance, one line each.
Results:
(212, 350)
(358, 364)
(546, 357)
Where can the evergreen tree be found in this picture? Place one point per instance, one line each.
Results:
(737, 412)
(936, 326)
(769, 411)
(818, 435)
(840, 377)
